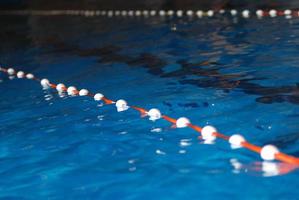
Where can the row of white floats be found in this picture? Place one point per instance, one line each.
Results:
(268, 152)
(179, 13)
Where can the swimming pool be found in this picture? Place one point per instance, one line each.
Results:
(237, 74)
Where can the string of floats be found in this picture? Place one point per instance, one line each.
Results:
(246, 13)
(208, 133)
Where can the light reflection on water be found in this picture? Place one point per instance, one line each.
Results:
(266, 168)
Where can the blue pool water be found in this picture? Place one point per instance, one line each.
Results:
(240, 75)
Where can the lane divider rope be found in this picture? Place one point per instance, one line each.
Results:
(208, 133)
(246, 13)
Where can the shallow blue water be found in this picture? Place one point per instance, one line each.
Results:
(236, 74)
